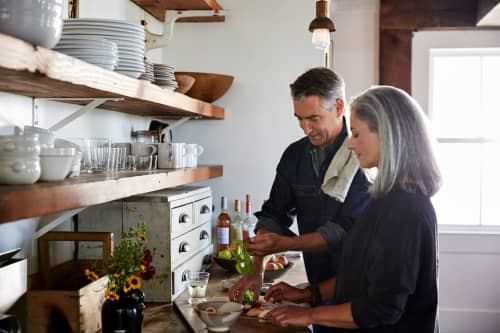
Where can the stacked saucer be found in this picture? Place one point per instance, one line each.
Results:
(148, 74)
(164, 76)
(94, 50)
(129, 38)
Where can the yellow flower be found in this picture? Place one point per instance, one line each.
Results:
(91, 275)
(134, 282)
(143, 268)
(112, 296)
(111, 292)
(116, 275)
(143, 237)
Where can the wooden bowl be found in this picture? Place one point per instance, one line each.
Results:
(227, 264)
(185, 82)
(208, 87)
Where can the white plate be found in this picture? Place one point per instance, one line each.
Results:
(103, 22)
(133, 74)
(97, 32)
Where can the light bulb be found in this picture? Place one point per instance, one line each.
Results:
(321, 39)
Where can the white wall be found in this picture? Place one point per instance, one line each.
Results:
(265, 57)
(469, 273)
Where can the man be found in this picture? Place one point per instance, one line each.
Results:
(318, 101)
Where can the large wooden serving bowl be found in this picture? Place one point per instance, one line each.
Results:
(208, 87)
(185, 82)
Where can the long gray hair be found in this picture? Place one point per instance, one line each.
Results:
(322, 82)
(406, 149)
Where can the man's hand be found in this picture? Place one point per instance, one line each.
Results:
(250, 282)
(285, 292)
(268, 243)
(290, 315)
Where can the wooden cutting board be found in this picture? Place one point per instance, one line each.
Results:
(242, 325)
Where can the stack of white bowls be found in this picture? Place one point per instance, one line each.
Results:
(56, 163)
(19, 159)
(36, 21)
(164, 76)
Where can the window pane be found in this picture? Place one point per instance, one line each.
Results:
(490, 96)
(456, 92)
(490, 213)
(458, 201)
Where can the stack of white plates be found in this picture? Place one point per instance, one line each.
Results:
(94, 50)
(164, 76)
(129, 38)
(148, 72)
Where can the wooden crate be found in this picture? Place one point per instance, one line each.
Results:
(60, 298)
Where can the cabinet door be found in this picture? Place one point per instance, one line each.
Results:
(179, 275)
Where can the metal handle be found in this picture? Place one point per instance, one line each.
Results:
(184, 247)
(203, 235)
(184, 276)
(184, 218)
(205, 209)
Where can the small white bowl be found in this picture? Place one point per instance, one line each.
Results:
(56, 163)
(26, 146)
(19, 170)
(226, 313)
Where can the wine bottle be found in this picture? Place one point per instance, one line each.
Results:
(236, 223)
(223, 226)
(248, 224)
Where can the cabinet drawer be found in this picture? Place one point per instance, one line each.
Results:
(181, 219)
(202, 211)
(188, 244)
(180, 274)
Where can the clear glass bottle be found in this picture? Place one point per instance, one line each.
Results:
(248, 221)
(223, 226)
(237, 222)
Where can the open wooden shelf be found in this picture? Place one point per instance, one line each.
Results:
(35, 71)
(157, 8)
(43, 198)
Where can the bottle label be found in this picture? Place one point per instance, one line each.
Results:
(223, 236)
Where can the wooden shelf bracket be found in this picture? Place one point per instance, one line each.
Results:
(155, 41)
(95, 102)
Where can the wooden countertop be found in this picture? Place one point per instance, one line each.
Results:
(167, 317)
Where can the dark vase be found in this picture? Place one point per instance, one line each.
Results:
(124, 315)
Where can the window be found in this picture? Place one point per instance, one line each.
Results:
(464, 109)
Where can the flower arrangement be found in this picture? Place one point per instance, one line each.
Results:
(129, 264)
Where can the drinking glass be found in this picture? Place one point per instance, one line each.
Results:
(197, 284)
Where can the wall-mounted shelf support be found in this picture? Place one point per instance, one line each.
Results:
(57, 220)
(154, 41)
(171, 126)
(96, 102)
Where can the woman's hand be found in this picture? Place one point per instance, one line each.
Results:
(285, 292)
(290, 315)
(251, 282)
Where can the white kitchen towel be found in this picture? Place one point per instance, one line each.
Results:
(340, 173)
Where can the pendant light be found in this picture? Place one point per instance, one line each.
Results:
(321, 26)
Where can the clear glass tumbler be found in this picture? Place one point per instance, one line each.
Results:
(197, 284)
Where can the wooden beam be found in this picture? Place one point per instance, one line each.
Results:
(416, 14)
(395, 58)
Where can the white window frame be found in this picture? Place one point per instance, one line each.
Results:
(448, 42)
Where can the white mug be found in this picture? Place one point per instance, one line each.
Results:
(193, 150)
(140, 148)
(171, 155)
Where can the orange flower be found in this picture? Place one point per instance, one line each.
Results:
(143, 237)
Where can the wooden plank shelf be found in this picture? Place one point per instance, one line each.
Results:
(43, 198)
(157, 8)
(34, 71)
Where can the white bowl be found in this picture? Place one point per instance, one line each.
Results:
(19, 146)
(19, 170)
(56, 163)
(45, 137)
(220, 321)
(36, 21)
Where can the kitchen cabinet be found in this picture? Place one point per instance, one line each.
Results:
(35, 71)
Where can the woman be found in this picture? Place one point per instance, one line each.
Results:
(387, 278)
